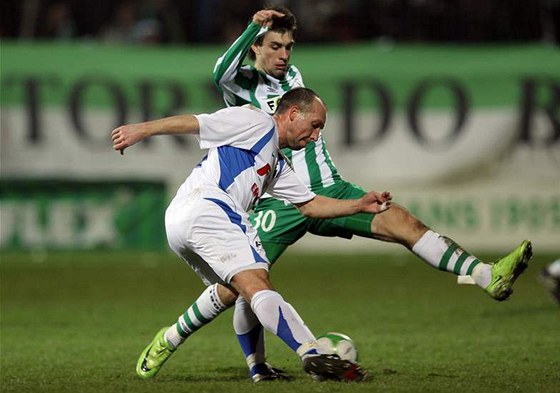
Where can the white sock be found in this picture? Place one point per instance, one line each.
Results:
(244, 319)
(250, 332)
(444, 254)
(281, 319)
(482, 275)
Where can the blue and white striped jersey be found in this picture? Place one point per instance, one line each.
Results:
(243, 160)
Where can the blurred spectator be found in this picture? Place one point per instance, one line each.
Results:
(148, 22)
(121, 28)
(148, 32)
(59, 23)
(204, 21)
(551, 21)
(160, 22)
(233, 18)
(344, 20)
(332, 20)
(313, 22)
(219, 21)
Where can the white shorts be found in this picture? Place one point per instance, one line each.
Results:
(215, 240)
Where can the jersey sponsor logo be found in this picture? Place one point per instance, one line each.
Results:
(272, 103)
(255, 189)
(264, 170)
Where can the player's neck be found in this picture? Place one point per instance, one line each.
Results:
(259, 68)
(281, 130)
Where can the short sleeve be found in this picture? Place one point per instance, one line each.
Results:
(288, 186)
(234, 126)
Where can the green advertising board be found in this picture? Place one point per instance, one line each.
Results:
(182, 76)
(67, 214)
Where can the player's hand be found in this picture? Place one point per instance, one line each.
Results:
(376, 202)
(125, 136)
(264, 17)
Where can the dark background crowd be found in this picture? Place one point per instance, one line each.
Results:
(216, 21)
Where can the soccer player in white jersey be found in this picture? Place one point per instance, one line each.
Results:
(208, 226)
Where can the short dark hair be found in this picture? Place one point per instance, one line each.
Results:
(282, 25)
(302, 97)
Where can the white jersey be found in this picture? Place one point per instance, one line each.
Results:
(243, 160)
(241, 84)
(207, 222)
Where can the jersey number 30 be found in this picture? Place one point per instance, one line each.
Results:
(265, 220)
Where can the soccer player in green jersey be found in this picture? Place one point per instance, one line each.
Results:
(268, 40)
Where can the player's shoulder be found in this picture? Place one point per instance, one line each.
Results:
(248, 71)
(256, 112)
(294, 68)
(246, 111)
(294, 77)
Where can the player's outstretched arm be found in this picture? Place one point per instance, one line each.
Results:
(324, 207)
(129, 134)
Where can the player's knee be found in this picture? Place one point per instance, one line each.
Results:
(227, 295)
(411, 222)
(398, 225)
(249, 282)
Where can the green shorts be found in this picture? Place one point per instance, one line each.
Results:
(280, 224)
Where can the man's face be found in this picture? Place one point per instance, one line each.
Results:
(305, 128)
(274, 54)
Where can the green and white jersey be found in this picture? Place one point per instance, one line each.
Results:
(242, 84)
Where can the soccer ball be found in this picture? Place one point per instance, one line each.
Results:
(334, 343)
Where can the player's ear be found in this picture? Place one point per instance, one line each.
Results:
(293, 112)
(256, 49)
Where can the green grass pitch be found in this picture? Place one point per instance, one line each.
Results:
(76, 322)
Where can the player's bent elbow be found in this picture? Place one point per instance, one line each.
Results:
(307, 209)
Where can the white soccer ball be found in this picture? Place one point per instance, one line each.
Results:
(334, 343)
